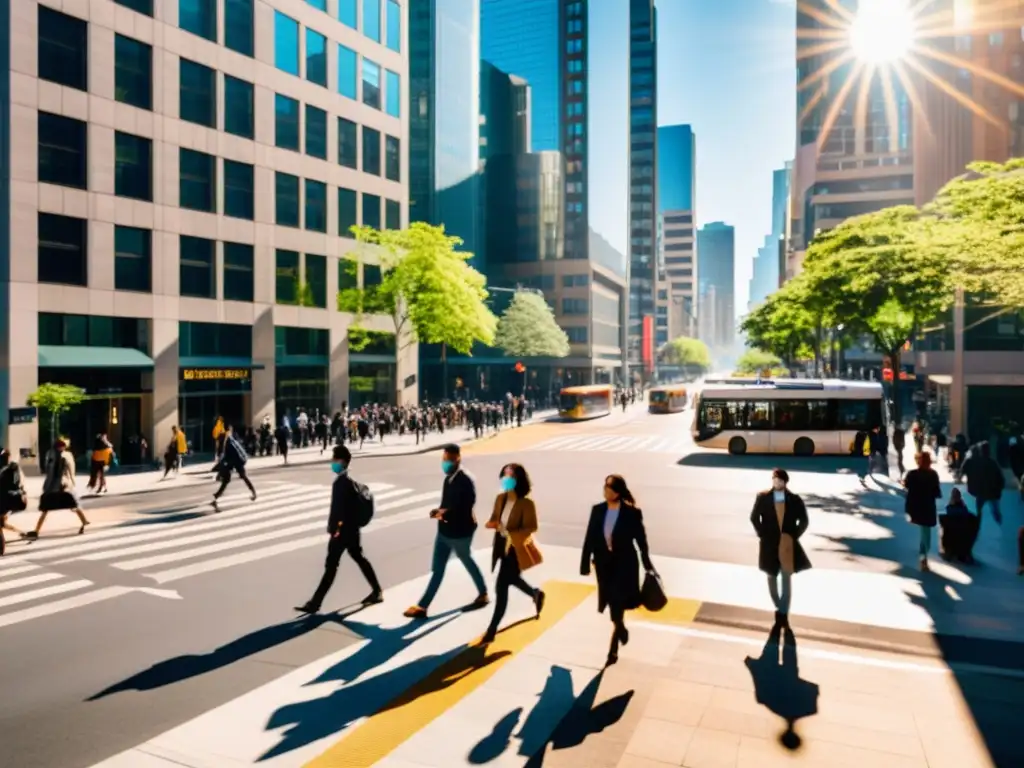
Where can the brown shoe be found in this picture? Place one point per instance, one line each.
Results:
(415, 612)
(481, 601)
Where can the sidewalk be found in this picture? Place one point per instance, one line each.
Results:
(683, 693)
(197, 468)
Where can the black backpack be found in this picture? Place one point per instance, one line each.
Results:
(363, 503)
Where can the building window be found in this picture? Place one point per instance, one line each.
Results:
(392, 158)
(238, 107)
(371, 19)
(393, 93)
(394, 22)
(371, 84)
(144, 7)
(371, 151)
(133, 164)
(286, 199)
(347, 216)
(196, 271)
(63, 250)
(348, 66)
(316, 58)
(320, 5)
(348, 151)
(63, 151)
(392, 214)
(347, 10)
(133, 259)
(286, 281)
(371, 210)
(197, 93)
(198, 180)
(577, 335)
(574, 307)
(238, 26)
(133, 72)
(238, 190)
(198, 17)
(316, 132)
(316, 279)
(63, 49)
(238, 272)
(286, 122)
(286, 43)
(316, 206)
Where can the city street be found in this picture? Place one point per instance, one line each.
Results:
(163, 612)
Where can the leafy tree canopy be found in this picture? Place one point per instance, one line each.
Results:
(527, 328)
(428, 288)
(782, 324)
(56, 398)
(688, 351)
(754, 361)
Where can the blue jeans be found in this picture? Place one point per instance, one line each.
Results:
(926, 541)
(781, 601)
(443, 548)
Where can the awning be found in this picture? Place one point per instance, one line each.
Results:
(93, 357)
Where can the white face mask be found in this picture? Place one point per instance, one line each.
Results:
(778, 485)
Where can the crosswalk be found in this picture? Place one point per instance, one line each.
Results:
(617, 443)
(287, 517)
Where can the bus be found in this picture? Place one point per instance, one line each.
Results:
(586, 402)
(795, 416)
(670, 398)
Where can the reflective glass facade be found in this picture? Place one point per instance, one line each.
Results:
(676, 168)
(286, 43)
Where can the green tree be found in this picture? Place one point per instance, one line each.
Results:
(56, 399)
(782, 324)
(755, 361)
(689, 352)
(427, 288)
(527, 328)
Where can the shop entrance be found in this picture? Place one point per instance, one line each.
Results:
(206, 394)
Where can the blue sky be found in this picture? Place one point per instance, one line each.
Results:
(727, 67)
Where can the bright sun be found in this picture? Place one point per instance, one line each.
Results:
(883, 30)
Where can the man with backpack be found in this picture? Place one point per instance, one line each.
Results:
(351, 510)
(231, 460)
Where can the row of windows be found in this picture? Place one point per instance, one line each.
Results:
(576, 334)
(288, 206)
(348, 15)
(290, 288)
(58, 330)
(352, 69)
(200, 18)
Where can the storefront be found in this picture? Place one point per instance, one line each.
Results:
(302, 368)
(372, 372)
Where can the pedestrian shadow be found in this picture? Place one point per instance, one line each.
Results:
(181, 668)
(306, 722)
(778, 686)
(827, 465)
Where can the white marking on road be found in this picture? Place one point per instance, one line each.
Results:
(39, 578)
(36, 594)
(555, 443)
(391, 494)
(16, 569)
(617, 444)
(599, 443)
(166, 594)
(49, 609)
(642, 446)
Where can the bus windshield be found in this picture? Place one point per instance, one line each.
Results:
(568, 402)
(658, 396)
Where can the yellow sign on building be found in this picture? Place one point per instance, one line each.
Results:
(216, 374)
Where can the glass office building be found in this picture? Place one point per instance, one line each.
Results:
(677, 152)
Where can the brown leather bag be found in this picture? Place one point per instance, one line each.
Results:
(531, 554)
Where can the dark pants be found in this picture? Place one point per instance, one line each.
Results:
(618, 615)
(509, 575)
(1020, 545)
(957, 535)
(335, 549)
(225, 478)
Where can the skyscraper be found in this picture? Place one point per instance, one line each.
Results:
(676, 195)
(643, 157)
(716, 251)
(765, 278)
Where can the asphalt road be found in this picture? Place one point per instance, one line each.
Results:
(86, 683)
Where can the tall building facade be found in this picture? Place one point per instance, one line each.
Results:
(767, 276)
(444, 112)
(643, 182)
(677, 302)
(180, 182)
(716, 249)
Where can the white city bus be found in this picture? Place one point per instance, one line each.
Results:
(797, 416)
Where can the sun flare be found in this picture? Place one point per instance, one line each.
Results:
(883, 31)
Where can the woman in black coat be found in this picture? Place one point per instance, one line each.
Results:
(614, 533)
(923, 489)
(780, 519)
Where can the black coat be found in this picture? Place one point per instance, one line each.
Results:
(344, 505)
(766, 524)
(618, 570)
(922, 490)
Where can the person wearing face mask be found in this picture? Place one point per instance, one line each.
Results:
(780, 519)
(456, 525)
(614, 534)
(514, 521)
(343, 527)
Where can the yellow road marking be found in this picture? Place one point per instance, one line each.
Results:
(431, 697)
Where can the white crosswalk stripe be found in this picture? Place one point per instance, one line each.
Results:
(605, 443)
(286, 517)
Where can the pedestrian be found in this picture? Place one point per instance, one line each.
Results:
(985, 480)
(102, 455)
(182, 446)
(171, 454)
(456, 525)
(958, 529)
(283, 436)
(514, 521)
(59, 487)
(899, 442)
(878, 447)
(232, 460)
(351, 509)
(614, 533)
(923, 489)
(12, 495)
(780, 519)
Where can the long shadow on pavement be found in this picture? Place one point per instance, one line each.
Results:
(826, 465)
(778, 686)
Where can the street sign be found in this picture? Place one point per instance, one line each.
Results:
(410, 380)
(24, 415)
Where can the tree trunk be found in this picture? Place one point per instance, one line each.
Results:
(894, 359)
(817, 351)
(444, 370)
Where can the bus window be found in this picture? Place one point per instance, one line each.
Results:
(568, 402)
(860, 414)
(658, 397)
(759, 415)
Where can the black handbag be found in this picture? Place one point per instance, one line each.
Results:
(652, 593)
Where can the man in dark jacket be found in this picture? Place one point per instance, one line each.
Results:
(456, 525)
(232, 459)
(343, 528)
(899, 443)
(985, 480)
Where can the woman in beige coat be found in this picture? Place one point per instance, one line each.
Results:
(59, 488)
